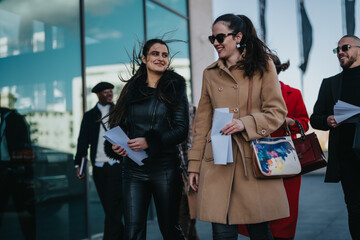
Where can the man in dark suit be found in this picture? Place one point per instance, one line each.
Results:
(106, 172)
(343, 163)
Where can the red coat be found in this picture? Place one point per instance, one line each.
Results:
(286, 227)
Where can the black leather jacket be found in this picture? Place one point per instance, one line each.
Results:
(160, 115)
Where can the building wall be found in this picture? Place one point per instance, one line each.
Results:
(202, 52)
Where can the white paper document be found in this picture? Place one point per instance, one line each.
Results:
(117, 136)
(221, 144)
(344, 110)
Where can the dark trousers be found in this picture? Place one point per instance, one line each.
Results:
(107, 180)
(350, 184)
(350, 181)
(257, 231)
(164, 184)
(187, 224)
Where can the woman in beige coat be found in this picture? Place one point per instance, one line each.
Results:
(230, 194)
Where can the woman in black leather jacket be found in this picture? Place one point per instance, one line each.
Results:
(153, 110)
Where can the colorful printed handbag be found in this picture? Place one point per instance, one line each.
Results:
(275, 158)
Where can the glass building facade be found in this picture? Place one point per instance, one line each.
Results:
(52, 52)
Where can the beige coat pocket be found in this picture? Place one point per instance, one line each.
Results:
(208, 154)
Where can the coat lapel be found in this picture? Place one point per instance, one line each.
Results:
(336, 87)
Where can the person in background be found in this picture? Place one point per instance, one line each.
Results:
(106, 171)
(343, 163)
(230, 194)
(17, 171)
(285, 228)
(187, 213)
(153, 111)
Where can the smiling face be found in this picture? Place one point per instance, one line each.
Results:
(351, 57)
(226, 50)
(157, 59)
(105, 96)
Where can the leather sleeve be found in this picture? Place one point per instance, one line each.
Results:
(179, 129)
(179, 125)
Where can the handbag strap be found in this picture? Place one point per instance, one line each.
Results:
(284, 125)
(302, 132)
(249, 96)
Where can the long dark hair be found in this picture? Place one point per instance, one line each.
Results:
(138, 70)
(255, 56)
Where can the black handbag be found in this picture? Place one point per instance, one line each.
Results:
(309, 151)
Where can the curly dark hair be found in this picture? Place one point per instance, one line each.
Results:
(278, 65)
(255, 56)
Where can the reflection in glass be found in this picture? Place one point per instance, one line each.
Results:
(39, 72)
(112, 30)
(177, 5)
(161, 23)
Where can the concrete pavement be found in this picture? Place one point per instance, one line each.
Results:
(322, 213)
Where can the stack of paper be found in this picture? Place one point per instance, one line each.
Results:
(221, 144)
(116, 136)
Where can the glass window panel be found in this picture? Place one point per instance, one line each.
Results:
(40, 78)
(177, 5)
(164, 24)
(113, 28)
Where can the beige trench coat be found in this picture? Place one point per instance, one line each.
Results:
(232, 190)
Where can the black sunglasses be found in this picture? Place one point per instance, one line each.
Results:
(220, 37)
(343, 48)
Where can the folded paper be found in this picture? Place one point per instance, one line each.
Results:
(344, 110)
(117, 136)
(221, 144)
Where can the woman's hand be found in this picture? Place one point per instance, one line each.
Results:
(290, 121)
(194, 181)
(119, 150)
(235, 126)
(137, 144)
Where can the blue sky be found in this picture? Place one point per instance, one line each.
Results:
(283, 37)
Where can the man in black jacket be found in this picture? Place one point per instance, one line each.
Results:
(106, 172)
(343, 164)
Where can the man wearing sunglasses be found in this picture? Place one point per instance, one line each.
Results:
(343, 163)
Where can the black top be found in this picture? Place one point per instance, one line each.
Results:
(350, 90)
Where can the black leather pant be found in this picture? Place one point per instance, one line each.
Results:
(257, 231)
(140, 183)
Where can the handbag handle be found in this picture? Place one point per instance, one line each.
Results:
(302, 132)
